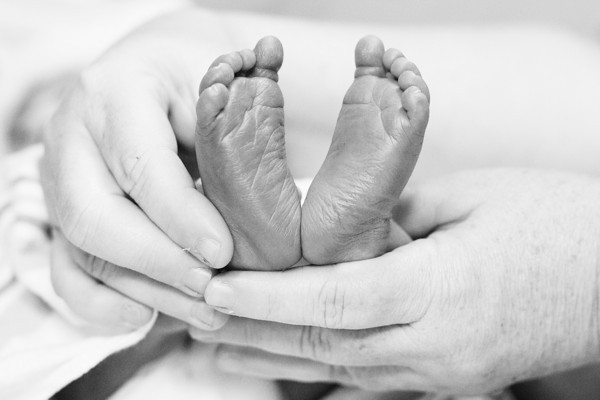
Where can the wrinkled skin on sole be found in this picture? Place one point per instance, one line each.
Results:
(348, 210)
(241, 157)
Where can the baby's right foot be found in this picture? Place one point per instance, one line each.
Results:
(347, 212)
(240, 149)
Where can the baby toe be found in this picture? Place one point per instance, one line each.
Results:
(409, 79)
(234, 59)
(390, 56)
(269, 58)
(368, 57)
(402, 64)
(221, 73)
(211, 102)
(416, 104)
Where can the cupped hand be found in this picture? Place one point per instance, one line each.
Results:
(501, 286)
(119, 192)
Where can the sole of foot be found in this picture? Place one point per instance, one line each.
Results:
(377, 140)
(240, 150)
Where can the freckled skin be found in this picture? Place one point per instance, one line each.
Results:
(242, 161)
(375, 146)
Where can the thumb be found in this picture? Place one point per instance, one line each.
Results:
(424, 208)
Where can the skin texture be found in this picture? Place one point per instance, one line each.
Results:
(530, 303)
(376, 144)
(241, 157)
(115, 155)
(154, 71)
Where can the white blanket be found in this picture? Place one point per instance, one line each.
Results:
(41, 341)
(44, 347)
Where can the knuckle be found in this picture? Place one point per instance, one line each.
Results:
(250, 336)
(145, 262)
(79, 221)
(331, 305)
(133, 172)
(315, 343)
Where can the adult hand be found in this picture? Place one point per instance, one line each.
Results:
(503, 286)
(122, 200)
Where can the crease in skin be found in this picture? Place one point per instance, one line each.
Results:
(254, 189)
(353, 195)
(351, 198)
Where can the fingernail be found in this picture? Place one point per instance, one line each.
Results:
(220, 295)
(202, 316)
(223, 310)
(195, 281)
(207, 251)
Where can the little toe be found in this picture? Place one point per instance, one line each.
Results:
(368, 57)
(248, 59)
(234, 59)
(269, 58)
(409, 78)
(416, 104)
(211, 102)
(221, 73)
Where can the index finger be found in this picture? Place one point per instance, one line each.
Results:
(94, 215)
(139, 146)
(395, 288)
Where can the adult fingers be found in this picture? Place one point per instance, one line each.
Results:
(395, 288)
(90, 208)
(192, 310)
(348, 393)
(137, 141)
(90, 299)
(367, 347)
(254, 362)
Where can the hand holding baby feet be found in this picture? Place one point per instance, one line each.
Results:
(376, 143)
(241, 156)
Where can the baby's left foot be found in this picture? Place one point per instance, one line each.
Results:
(376, 143)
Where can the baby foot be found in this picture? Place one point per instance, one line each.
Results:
(240, 148)
(346, 215)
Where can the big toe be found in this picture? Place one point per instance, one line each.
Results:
(269, 58)
(368, 57)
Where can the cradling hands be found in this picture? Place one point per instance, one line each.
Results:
(118, 177)
(501, 286)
